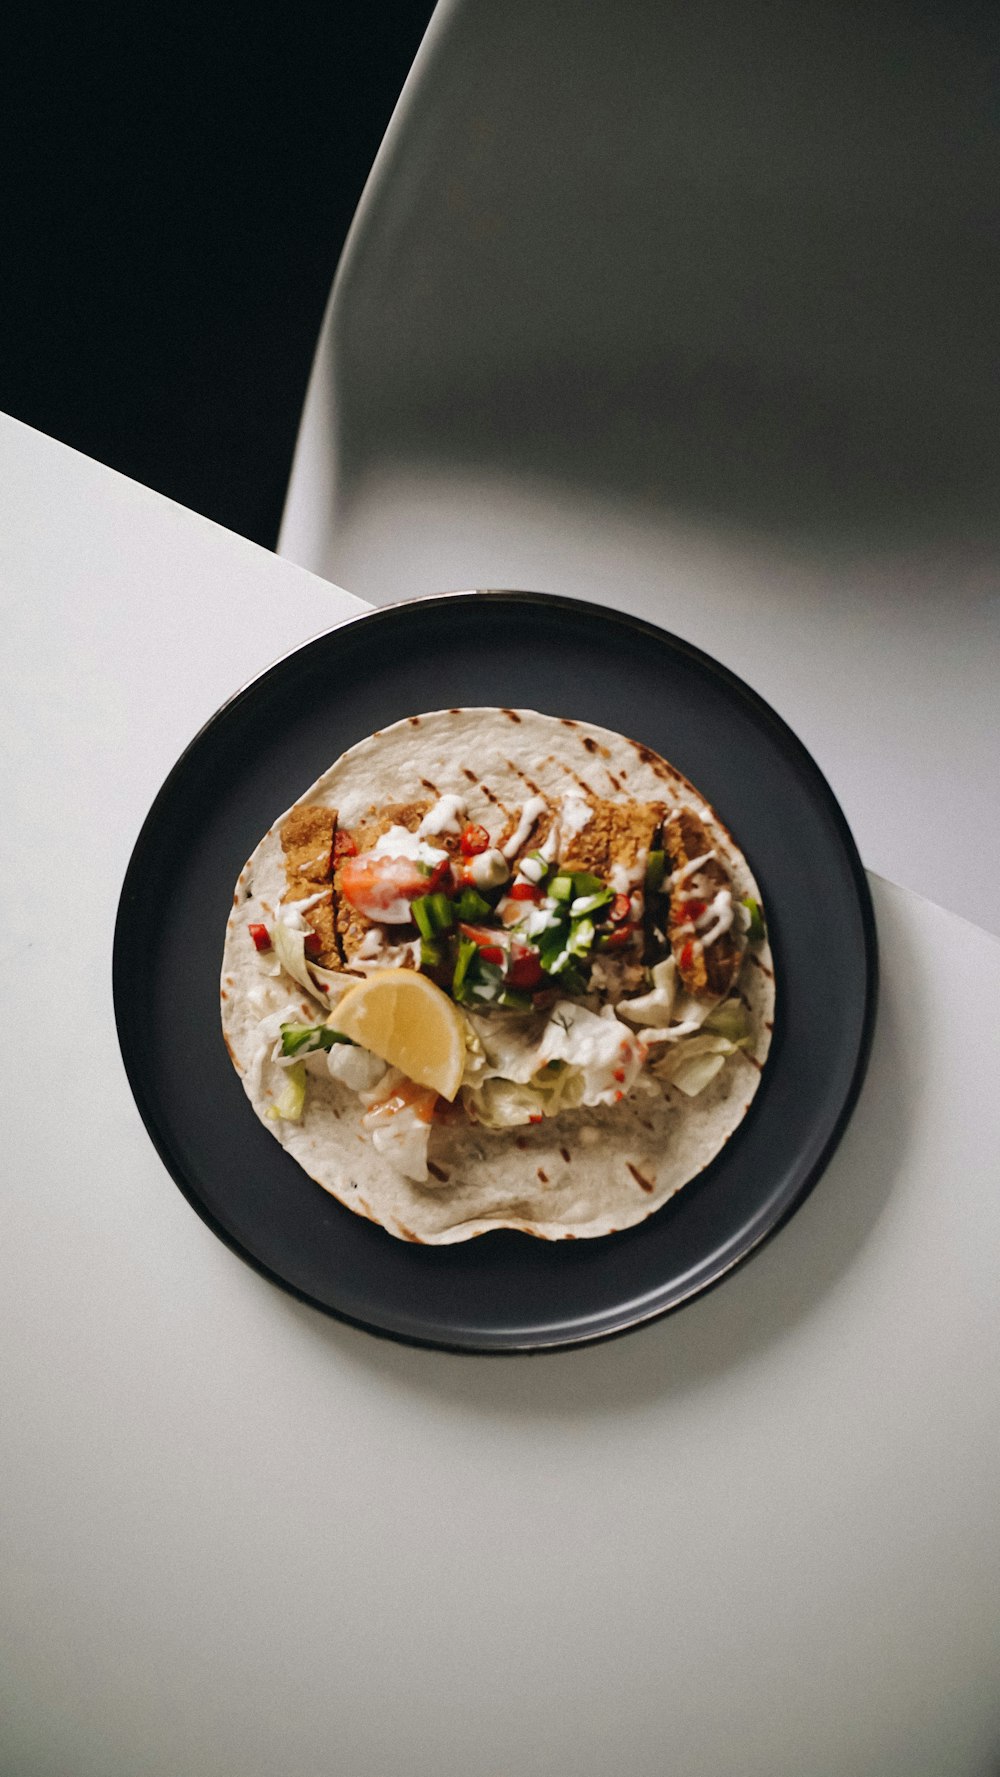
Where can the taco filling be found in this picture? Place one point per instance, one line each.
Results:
(464, 969)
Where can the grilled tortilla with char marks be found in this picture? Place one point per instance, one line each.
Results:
(706, 971)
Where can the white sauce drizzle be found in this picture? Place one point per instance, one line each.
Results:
(717, 918)
(575, 812)
(535, 806)
(488, 869)
(689, 869)
(550, 850)
(446, 816)
(371, 946)
(532, 869)
(399, 842)
(303, 906)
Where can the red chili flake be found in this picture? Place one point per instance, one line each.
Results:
(619, 1074)
(474, 840)
(618, 1097)
(695, 909)
(312, 943)
(686, 957)
(261, 936)
(617, 939)
(619, 909)
(343, 846)
(537, 1117)
(525, 891)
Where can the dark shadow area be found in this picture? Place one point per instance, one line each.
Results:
(734, 1323)
(178, 182)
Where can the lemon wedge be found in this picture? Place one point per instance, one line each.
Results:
(407, 1021)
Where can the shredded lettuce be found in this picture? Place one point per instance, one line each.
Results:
(292, 1100)
(656, 1007)
(504, 1104)
(731, 1020)
(693, 1063)
(290, 948)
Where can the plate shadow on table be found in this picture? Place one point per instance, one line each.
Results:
(732, 1324)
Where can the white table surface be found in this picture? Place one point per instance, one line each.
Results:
(239, 1538)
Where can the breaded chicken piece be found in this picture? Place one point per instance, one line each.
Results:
(617, 833)
(706, 972)
(307, 842)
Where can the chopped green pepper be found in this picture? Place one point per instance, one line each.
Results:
(756, 929)
(472, 906)
(466, 952)
(656, 870)
(302, 1039)
(421, 911)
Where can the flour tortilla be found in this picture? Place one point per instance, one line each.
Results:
(584, 1173)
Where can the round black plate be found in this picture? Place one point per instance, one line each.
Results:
(505, 1291)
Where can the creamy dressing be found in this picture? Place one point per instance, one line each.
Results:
(550, 850)
(623, 878)
(532, 869)
(357, 1069)
(301, 907)
(446, 816)
(488, 869)
(689, 869)
(535, 806)
(575, 812)
(371, 946)
(541, 916)
(716, 919)
(399, 842)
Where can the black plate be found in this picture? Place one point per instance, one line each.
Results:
(505, 1291)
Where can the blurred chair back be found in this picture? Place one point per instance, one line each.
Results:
(736, 262)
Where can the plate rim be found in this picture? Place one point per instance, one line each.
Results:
(136, 875)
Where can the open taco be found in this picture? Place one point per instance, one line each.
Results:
(496, 969)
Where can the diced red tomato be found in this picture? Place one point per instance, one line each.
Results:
(312, 943)
(343, 846)
(261, 936)
(439, 878)
(523, 968)
(474, 840)
(525, 891)
(525, 971)
(694, 909)
(619, 909)
(484, 936)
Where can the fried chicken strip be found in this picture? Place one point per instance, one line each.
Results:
(708, 971)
